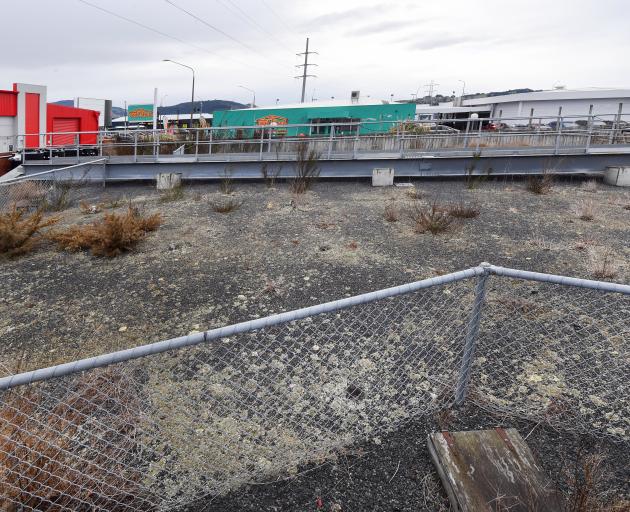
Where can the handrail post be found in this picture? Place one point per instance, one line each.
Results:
(196, 145)
(77, 141)
(210, 143)
(330, 140)
(472, 331)
(135, 147)
(262, 143)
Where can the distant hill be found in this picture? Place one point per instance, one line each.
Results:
(498, 93)
(209, 106)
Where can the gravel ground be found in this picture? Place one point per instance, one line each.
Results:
(203, 269)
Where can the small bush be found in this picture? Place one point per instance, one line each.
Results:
(391, 213)
(227, 183)
(19, 232)
(585, 210)
(602, 263)
(89, 209)
(53, 455)
(540, 184)
(225, 205)
(110, 236)
(414, 193)
(173, 194)
(306, 168)
(462, 210)
(589, 186)
(434, 218)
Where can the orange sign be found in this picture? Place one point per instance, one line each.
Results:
(271, 120)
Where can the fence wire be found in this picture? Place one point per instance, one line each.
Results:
(163, 431)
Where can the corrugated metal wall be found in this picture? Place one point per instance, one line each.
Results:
(8, 103)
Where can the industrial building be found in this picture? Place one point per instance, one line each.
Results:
(376, 116)
(603, 104)
(25, 118)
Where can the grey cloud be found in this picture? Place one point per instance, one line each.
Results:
(383, 26)
(342, 17)
(433, 43)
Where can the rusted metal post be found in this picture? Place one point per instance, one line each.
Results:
(471, 336)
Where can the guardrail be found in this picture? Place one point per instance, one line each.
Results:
(347, 140)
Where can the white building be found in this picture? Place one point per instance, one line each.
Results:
(603, 103)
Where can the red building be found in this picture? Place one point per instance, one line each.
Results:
(28, 121)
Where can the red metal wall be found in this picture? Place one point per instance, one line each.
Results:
(31, 125)
(8, 103)
(87, 122)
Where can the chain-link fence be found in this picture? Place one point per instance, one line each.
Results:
(52, 190)
(160, 426)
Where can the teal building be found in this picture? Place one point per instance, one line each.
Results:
(376, 118)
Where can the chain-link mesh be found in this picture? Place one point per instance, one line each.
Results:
(555, 353)
(162, 431)
(25, 194)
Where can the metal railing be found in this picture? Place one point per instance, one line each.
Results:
(160, 426)
(367, 139)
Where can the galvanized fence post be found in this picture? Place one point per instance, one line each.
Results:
(471, 336)
(330, 140)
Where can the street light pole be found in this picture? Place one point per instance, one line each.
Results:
(252, 91)
(463, 87)
(192, 97)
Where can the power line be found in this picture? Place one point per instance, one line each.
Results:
(147, 27)
(306, 64)
(275, 13)
(159, 32)
(216, 29)
(242, 14)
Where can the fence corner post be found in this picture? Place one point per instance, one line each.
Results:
(471, 336)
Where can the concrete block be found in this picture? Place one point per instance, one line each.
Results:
(382, 177)
(617, 175)
(168, 180)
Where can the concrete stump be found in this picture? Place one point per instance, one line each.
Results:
(382, 177)
(168, 180)
(617, 175)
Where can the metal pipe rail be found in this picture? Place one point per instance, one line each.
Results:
(482, 271)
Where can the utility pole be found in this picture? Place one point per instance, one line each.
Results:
(430, 87)
(305, 74)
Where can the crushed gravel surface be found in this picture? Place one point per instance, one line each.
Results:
(279, 252)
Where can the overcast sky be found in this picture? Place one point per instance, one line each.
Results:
(380, 48)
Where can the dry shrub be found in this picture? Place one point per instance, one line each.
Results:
(391, 213)
(414, 193)
(585, 210)
(74, 451)
(589, 186)
(20, 232)
(602, 263)
(225, 205)
(586, 480)
(306, 168)
(109, 236)
(172, 194)
(227, 184)
(87, 208)
(434, 218)
(462, 210)
(540, 184)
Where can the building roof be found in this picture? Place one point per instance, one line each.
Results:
(553, 94)
(168, 117)
(449, 109)
(324, 103)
